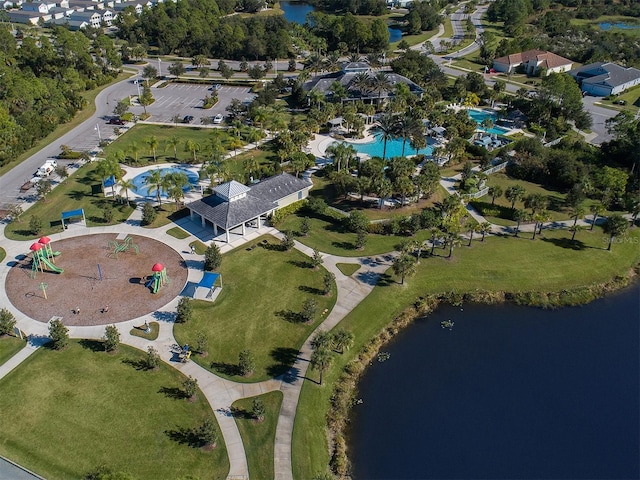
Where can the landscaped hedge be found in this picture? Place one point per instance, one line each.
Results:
(280, 214)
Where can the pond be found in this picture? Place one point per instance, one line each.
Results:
(296, 12)
(508, 392)
(620, 25)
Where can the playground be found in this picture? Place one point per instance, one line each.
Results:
(105, 279)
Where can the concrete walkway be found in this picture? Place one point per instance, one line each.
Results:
(219, 392)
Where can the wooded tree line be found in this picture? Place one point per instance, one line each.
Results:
(41, 83)
(546, 25)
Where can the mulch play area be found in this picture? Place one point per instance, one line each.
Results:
(79, 287)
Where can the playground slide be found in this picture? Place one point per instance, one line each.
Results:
(51, 266)
(156, 285)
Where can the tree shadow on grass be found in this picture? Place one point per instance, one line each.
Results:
(300, 263)
(344, 245)
(184, 436)
(137, 363)
(93, 345)
(311, 290)
(275, 247)
(385, 280)
(173, 392)
(229, 369)
(289, 316)
(241, 413)
(284, 358)
(567, 243)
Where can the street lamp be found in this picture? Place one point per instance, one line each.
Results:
(159, 68)
(97, 129)
(137, 82)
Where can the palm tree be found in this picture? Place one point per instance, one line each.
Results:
(519, 216)
(360, 83)
(342, 340)
(155, 183)
(535, 201)
(485, 227)
(192, 146)
(452, 239)
(404, 265)
(126, 185)
(153, 145)
(514, 193)
(134, 149)
(381, 82)
(173, 142)
(616, 226)
(387, 125)
(321, 360)
(408, 126)
(596, 208)
(495, 191)
(473, 229)
(383, 189)
(106, 168)
(435, 232)
(234, 144)
(175, 184)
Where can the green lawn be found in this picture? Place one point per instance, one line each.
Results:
(414, 39)
(166, 213)
(3, 254)
(9, 346)
(64, 413)
(327, 235)
(140, 134)
(498, 264)
(348, 268)
(139, 331)
(80, 190)
(631, 97)
(263, 292)
(258, 438)
(178, 233)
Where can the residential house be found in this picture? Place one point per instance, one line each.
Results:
(28, 18)
(532, 61)
(91, 17)
(601, 79)
(40, 7)
(137, 6)
(234, 206)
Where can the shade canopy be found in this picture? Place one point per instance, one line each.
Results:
(158, 267)
(44, 240)
(208, 279)
(35, 247)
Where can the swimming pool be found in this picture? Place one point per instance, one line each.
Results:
(394, 147)
(142, 189)
(479, 115)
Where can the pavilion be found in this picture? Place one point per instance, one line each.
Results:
(234, 205)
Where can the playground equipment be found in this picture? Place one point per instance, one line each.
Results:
(159, 278)
(117, 247)
(41, 254)
(72, 214)
(183, 353)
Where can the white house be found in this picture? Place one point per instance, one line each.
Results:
(532, 61)
(93, 18)
(601, 79)
(39, 7)
(28, 18)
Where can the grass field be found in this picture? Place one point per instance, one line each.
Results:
(499, 264)
(327, 235)
(64, 413)
(138, 331)
(3, 254)
(9, 346)
(139, 135)
(178, 233)
(258, 309)
(348, 268)
(413, 39)
(258, 438)
(80, 190)
(631, 98)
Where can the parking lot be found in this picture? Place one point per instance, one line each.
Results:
(186, 100)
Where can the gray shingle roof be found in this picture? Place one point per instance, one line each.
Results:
(609, 74)
(260, 199)
(231, 189)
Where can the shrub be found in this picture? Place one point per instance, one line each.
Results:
(7, 322)
(111, 338)
(309, 310)
(149, 214)
(202, 343)
(108, 214)
(356, 222)
(327, 281)
(316, 205)
(59, 334)
(35, 225)
(190, 387)
(152, 359)
(207, 433)
(361, 239)
(15, 210)
(258, 409)
(212, 257)
(377, 228)
(246, 363)
(305, 226)
(287, 241)
(185, 310)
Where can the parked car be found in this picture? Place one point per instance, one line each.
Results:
(116, 121)
(620, 102)
(46, 169)
(187, 119)
(218, 118)
(215, 87)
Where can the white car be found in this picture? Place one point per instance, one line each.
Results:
(218, 119)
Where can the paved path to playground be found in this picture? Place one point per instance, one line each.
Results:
(219, 392)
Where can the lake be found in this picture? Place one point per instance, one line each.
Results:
(297, 12)
(508, 393)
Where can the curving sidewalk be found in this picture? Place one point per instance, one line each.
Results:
(219, 392)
